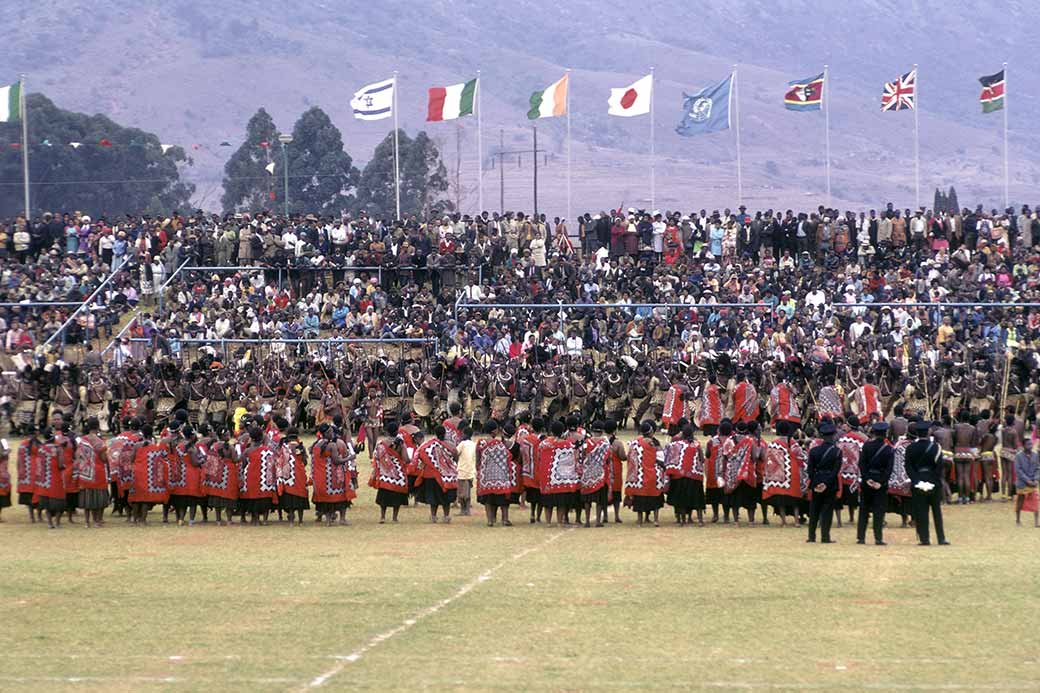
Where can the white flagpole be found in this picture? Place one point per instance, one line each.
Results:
(480, 154)
(735, 110)
(827, 127)
(25, 145)
(1007, 188)
(569, 221)
(653, 151)
(397, 163)
(917, 139)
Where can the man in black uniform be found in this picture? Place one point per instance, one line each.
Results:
(875, 469)
(824, 465)
(924, 465)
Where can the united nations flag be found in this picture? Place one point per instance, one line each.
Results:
(707, 110)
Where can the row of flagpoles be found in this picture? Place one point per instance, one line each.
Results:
(711, 109)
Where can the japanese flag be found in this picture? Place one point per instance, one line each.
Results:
(632, 100)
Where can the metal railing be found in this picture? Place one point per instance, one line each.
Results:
(60, 332)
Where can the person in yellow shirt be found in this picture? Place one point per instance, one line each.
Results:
(467, 451)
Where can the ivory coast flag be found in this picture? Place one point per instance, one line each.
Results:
(551, 102)
(11, 103)
(452, 101)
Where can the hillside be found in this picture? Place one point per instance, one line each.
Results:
(194, 72)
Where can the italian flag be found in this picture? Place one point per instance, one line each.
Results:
(551, 102)
(452, 101)
(11, 103)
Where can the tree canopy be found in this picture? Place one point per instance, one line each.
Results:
(424, 179)
(115, 170)
(322, 177)
(247, 184)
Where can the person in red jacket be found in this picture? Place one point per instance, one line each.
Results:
(150, 483)
(90, 472)
(498, 479)
(25, 463)
(332, 463)
(185, 475)
(292, 477)
(595, 474)
(438, 473)
(388, 475)
(220, 474)
(48, 479)
(528, 439)
(646, 481)
(258, 482)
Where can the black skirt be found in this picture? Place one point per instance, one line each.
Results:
(71, 501)
(533, 495)
(25, 498)
(385, 498)
(599, 497)
(645, 504)
(181, 503)
(784, 505)
(617, 497)
(495, 500)
(5, 500)
(848, 498)
(221, 502)
(52, 505)
(431, 493)
(288, 501)
(254, 505)
(567, 500)
(686, 494)
(330, 508)
(94, 498)
(715, 495)
(744, 496)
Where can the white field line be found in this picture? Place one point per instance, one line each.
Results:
(408, 624)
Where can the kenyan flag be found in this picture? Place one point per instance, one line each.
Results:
(992, 97)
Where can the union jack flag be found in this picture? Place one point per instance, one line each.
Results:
(900, 94)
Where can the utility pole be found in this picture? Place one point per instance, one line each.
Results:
(535, 157)
(501, 155)
(286, 140)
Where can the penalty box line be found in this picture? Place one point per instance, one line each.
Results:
(409, 623)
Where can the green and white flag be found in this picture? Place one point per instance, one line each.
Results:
(11, 103)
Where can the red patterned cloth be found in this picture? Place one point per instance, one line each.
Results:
(151, 470)
(709, 411)
(497, 473)
(435, 460)
(783, 406)
(850, 445)
(88, 463)
(785, 469)
(388, 469)
(745, 403)
(674, 406)
(595, 465)
(683, 459)
(645, 477)
(559, 460)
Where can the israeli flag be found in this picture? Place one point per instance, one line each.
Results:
(707, 110)
(374, 101)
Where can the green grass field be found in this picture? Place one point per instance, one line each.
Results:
(462, 606)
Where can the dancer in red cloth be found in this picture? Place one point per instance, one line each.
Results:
(48, 479)
(25, 463)
(595, 474)
(498, 479)
(438, 474)
(388, 475)
(684, 466)
(258, 483)
(150, 481)
(646, 481)
(90, 471)
(292, 477)
(333, 475)
(220, 474)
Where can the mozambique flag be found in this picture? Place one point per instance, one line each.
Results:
(805, 94)
(992, 96)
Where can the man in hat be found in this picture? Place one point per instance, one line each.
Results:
(824, 464)
(924, 466)
(875, 468)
